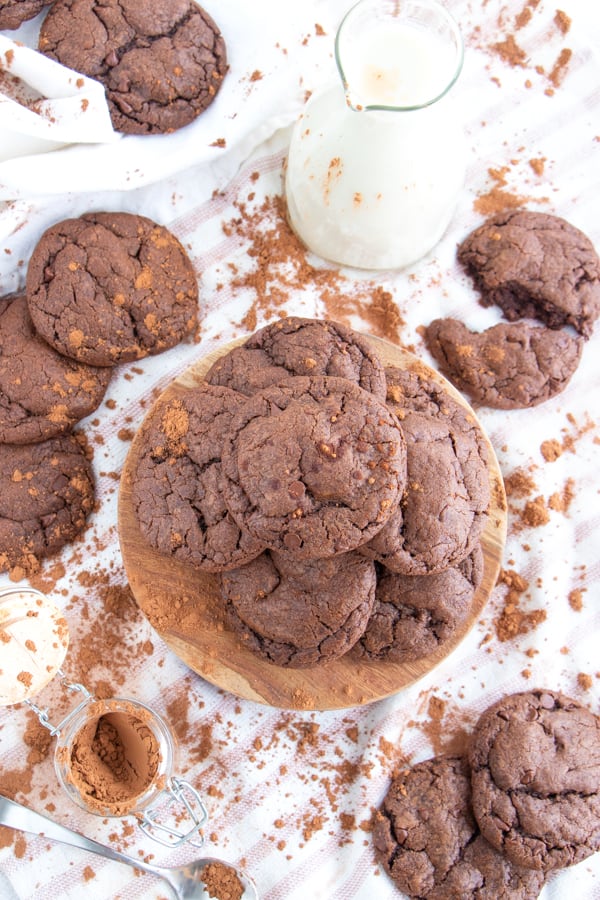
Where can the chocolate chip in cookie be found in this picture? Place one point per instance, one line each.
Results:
(535, 265)
(161, 62)
(507, 366)
(42, 392)
(107, 288)
(535, 760)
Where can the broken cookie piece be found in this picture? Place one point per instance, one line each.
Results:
(535, 265)
(507, 366)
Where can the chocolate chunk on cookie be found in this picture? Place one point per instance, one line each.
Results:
(313, 466)
(297, 346)
(443, 511)
(14, 12)
(42, 393)
(107, 288)
(427, 840)
(415, 615)
(535, 759)
(535, 265)
(176, 490)
(161, 63)
(507, 366)
(300, 613)
(47, 495)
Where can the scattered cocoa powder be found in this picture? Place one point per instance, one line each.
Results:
(514, 621)
(538, 165)
(551, 450)
(509, 51)
(584, 681)
(576, 599)
(562, 21)
(281, 270)
(561, 501)
(519, 484)
(559, 70)
(498, 198)
(535, 513)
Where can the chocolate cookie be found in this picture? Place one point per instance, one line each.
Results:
(507, 366)
(313, 466)
(443, 512)
(535, 265)
(42, 393)
(535, 759)
(107, 288)
(427, 840)
(176, 490)
(14, 12)
(415, 615)
(296, 346)
(300, 613)
(161, 63)
(47, 495)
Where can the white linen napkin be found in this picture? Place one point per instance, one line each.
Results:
(44, 105)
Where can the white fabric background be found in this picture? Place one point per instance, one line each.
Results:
(507, 125)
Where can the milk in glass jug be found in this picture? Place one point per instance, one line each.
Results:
(376, 163)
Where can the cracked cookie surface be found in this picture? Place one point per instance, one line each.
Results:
(443, 511)
(414, 615)
(506, 366)
(177, 492)
(107, 288)
(297, 346)
(427, 840)
(313, 466)
(46, 498)
(161, 64)
(535, 265)
(300, 613)
(535, 759)
(42, 393)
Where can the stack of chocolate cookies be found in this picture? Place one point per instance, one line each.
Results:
(102, 289)
(522, 802)
(341, 503)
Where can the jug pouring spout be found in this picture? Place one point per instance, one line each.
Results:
(384, 51)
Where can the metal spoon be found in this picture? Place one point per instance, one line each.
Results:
(186, 881)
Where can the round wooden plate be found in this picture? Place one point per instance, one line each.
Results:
(183, 605)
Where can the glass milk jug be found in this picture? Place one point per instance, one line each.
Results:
(376, 163)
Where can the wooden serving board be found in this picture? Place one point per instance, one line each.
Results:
(194, 627)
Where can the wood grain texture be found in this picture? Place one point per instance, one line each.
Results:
(194, 626)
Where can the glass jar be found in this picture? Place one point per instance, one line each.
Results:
(113, 757)
(376, 163)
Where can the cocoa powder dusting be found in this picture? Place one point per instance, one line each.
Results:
(498, 198)
(281, 272)
(513, 620)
